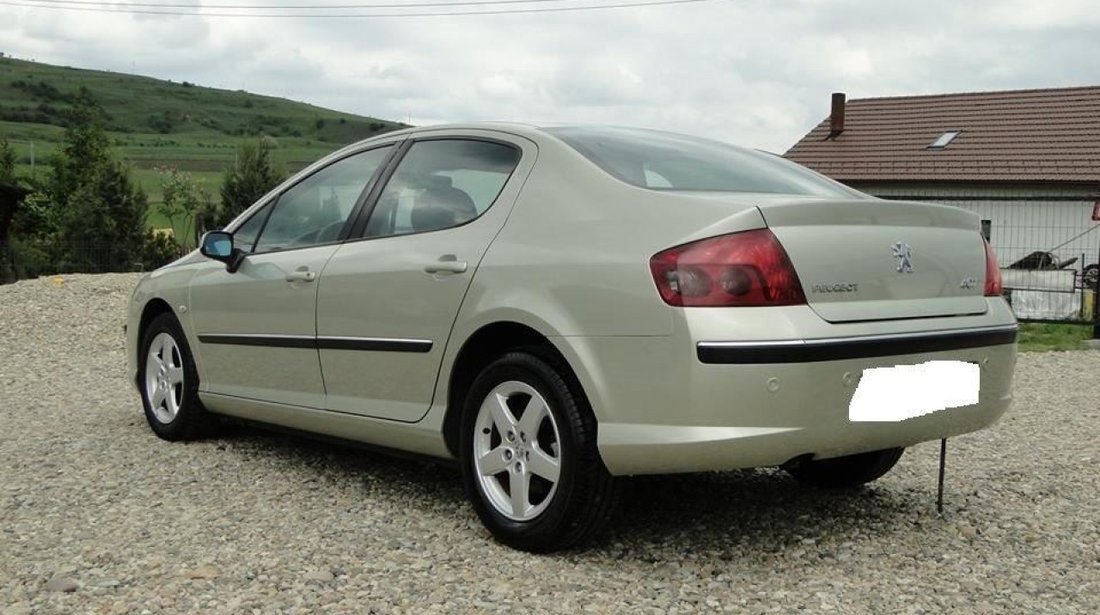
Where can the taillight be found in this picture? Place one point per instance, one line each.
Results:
(743, 269)
(993, 285)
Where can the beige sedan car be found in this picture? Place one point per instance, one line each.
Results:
(558, 307)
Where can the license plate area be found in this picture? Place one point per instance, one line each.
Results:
(901, 392)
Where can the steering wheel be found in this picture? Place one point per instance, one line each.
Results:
(325, 234)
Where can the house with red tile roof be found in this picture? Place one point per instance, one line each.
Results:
(1026, 161)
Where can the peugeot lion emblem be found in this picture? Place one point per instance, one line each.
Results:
(904, 254)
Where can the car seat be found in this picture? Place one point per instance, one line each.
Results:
(441, 205)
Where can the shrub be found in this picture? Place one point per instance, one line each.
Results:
(253, 175)
(159, 249)
(183, 198)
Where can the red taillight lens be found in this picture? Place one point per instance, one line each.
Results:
(993, 285)
(742, 269)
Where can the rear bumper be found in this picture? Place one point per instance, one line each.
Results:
(716, 410)
(664, 449)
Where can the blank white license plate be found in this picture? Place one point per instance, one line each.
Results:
(891, 394)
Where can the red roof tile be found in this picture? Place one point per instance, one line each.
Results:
(1020, 136)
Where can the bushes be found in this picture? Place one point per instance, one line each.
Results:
(162, 122)
(159, 249)
(30, 258)
(41, 90)
(87, 215)
(183, 199)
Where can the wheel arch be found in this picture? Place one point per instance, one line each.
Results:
(152, 309)
(482, 347)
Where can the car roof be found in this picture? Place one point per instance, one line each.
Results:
(509, 127)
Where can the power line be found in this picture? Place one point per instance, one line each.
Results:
(555, 9)
(276, 7)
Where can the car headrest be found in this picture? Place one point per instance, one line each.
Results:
(440, 182)
(427, 217)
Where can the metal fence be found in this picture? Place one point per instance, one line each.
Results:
(21, 260)
(1048, 246)
(1049, 254)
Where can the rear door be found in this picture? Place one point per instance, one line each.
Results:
(257, 326)
(387, 301)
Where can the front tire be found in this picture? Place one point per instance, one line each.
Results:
(169, 382)
(846, 472)
(529, 458)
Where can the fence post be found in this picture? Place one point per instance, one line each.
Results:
(1095, 298)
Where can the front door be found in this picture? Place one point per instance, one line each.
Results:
(257, 326)
(387, 301)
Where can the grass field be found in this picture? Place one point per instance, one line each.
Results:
(154, 123)
(1039, 337)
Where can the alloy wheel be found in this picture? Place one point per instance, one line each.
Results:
(164, 378)
(517, 451)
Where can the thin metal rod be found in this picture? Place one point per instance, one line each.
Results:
(1095, 295)
(939, 491)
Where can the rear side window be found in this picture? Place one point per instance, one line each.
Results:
(668, 161)
(441, 184)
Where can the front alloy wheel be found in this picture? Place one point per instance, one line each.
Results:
(170, 383)
(529, 458)
(164, 379)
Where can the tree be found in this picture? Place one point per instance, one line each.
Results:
(85, 150)
(12, 190)
(253, 175)
(12, 193)
(101, 212)
(183, 198)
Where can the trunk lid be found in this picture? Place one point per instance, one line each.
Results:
(872, 259)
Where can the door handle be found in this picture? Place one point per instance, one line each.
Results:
(301, 274)
(448, 263)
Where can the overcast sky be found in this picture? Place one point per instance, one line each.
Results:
(753, 72)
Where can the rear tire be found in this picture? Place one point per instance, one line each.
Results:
(529, 459)
(169, 383)
(1090, 275)
(846, 472)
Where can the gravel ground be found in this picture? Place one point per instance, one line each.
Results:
(99, 516)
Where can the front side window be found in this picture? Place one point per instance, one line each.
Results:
(441, 184)
(244, 238)
(314, 210)
(668, 161)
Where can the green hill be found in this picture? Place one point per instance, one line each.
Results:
(154, 123)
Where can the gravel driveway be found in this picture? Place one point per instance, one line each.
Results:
(92, 503)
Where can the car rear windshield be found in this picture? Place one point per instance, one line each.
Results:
(668, 161)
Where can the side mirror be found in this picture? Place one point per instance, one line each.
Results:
(218, 245)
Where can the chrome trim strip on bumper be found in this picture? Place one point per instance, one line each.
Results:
(838, 348)
(378, 344)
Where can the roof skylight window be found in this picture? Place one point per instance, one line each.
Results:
(944, 139)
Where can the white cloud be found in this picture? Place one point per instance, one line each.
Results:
(755, 72)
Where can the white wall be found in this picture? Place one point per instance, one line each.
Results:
(1021, 225)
